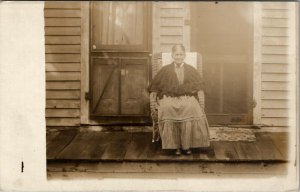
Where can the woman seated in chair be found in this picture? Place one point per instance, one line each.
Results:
(181, 120)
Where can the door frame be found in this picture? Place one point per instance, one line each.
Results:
(85, 118)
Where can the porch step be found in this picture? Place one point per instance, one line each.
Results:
(97, 146)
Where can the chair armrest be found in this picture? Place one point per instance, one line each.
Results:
(201, 98)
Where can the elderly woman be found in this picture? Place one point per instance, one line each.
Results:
(181, 120)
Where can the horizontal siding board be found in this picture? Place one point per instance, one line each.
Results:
(171, 39)
(63, 104)
(171, 12)
(275, 112)
(50, 121)
(275, 5)
(62, 67)
(171, 21)
(166, 47)
(275, 77)
(279, 104)
(275, 58)
(65, 40)
(72, 22)
(66, 94)
(62, 5)
(267, 22)
(63, 58)
(277, 32)
(275, 121)
(62, 76)
(275, 94)
(275, 41)
(171, 30)
(275, 50)
(62, 13)
(275, 68)
(62, 112)
(63, 85)
(173, 5)
(275, 14)
(62, 48)
(62, 31)
(277, 86)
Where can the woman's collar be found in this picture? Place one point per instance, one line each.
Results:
(181, 65)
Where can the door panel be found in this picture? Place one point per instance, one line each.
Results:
(134, 98)
(119, 87)
(105, 86)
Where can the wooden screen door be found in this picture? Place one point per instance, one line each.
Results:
(119, 74)
(223, 34)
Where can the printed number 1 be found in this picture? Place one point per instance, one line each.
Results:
(22, 167)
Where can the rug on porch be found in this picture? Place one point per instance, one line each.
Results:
(231, 134)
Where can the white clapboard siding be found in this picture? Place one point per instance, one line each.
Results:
(275, 60)
(63, 58)
(169, 29)
(171, 17)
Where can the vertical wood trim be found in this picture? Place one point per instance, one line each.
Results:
(187, 26)
(155, 28)
(84, 112)
(257, 63)
(292, 62)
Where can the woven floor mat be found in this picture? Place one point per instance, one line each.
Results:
(231, 134)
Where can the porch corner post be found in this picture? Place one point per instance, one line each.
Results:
(257, 9)
(84, 104)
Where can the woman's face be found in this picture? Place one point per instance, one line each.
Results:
(178, 56)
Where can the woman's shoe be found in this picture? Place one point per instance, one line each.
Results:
(177, 152)
(188, 152)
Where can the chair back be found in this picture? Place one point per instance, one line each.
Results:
(192, 58)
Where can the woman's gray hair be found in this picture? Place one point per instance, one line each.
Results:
(177, 46)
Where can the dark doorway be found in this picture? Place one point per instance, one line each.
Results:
(223, 34)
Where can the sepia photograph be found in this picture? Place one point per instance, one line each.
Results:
(153, 84)
(164, 90)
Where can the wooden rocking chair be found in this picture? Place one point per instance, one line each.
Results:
(192, 58)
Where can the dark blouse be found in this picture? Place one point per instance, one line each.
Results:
(166, 82)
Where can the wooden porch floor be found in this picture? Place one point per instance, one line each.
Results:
(136, 147)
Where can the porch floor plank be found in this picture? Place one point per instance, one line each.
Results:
(137, 146)
(100, 142)
(251, 151)
(280, 140)
(267, 149)
(116, 148)
(224, 150)
(241, 151)
(50, 137)
(59, 143)
(76, 147)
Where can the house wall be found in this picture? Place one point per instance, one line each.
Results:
(274, 64)
(63, 61)
(275, 56)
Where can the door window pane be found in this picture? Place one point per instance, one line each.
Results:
(117, 23)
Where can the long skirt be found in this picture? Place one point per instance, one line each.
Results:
(182, 123)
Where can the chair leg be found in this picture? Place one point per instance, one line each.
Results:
(153, 131)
